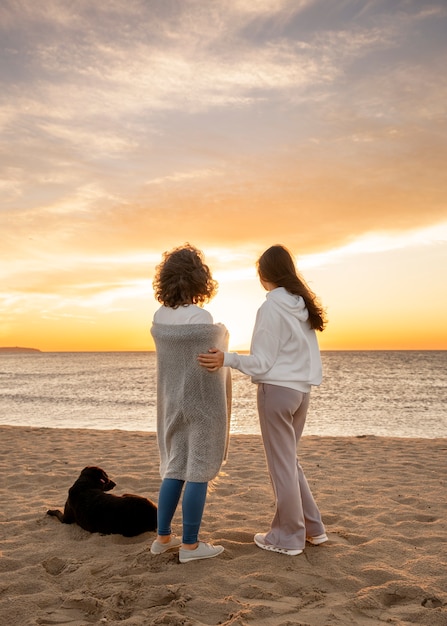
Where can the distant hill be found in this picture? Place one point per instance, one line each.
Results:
(17, 349)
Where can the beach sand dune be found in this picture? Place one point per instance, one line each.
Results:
(383, 501)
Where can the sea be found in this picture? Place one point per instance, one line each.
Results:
(383, 393)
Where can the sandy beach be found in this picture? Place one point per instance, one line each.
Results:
(383, 501)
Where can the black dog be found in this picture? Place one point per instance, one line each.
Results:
(98, 512)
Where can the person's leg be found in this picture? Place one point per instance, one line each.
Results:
(276, 407)
(312, 516)
(193, 505)
(168, 499)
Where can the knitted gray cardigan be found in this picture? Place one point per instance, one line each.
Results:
(193, 405)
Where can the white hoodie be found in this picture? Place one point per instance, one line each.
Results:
(284, 348)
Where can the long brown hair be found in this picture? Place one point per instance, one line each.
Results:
(276, 265)
(183, 278)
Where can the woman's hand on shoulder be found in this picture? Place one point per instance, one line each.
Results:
(212, 360)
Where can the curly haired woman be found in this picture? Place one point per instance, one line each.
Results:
(193, 410)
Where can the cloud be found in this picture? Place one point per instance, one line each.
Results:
(151, 126)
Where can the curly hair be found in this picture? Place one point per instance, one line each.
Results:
(183, 278)
(276, 265)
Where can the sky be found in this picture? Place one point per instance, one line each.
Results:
(128, 128)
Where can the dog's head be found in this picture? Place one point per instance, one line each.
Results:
(97, 478)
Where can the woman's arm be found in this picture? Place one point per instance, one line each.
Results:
(213, 360)
(265, 347)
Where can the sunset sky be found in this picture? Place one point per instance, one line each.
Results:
(130, 127)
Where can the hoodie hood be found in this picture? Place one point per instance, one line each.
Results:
(292, 304)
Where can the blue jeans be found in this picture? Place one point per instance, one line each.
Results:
(193, 505)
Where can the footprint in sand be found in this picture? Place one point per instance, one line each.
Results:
(73, 612)
(54, 566)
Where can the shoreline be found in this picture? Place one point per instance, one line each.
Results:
(232, 434)
(382, 500)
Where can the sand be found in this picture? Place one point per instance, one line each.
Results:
(383, 501)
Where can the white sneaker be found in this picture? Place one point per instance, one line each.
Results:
(259, 540)
(159, 548)
(315, 541)
(203, 551)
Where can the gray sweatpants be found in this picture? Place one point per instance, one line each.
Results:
(282, 415)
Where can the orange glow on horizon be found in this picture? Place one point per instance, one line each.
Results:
(367, 288)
